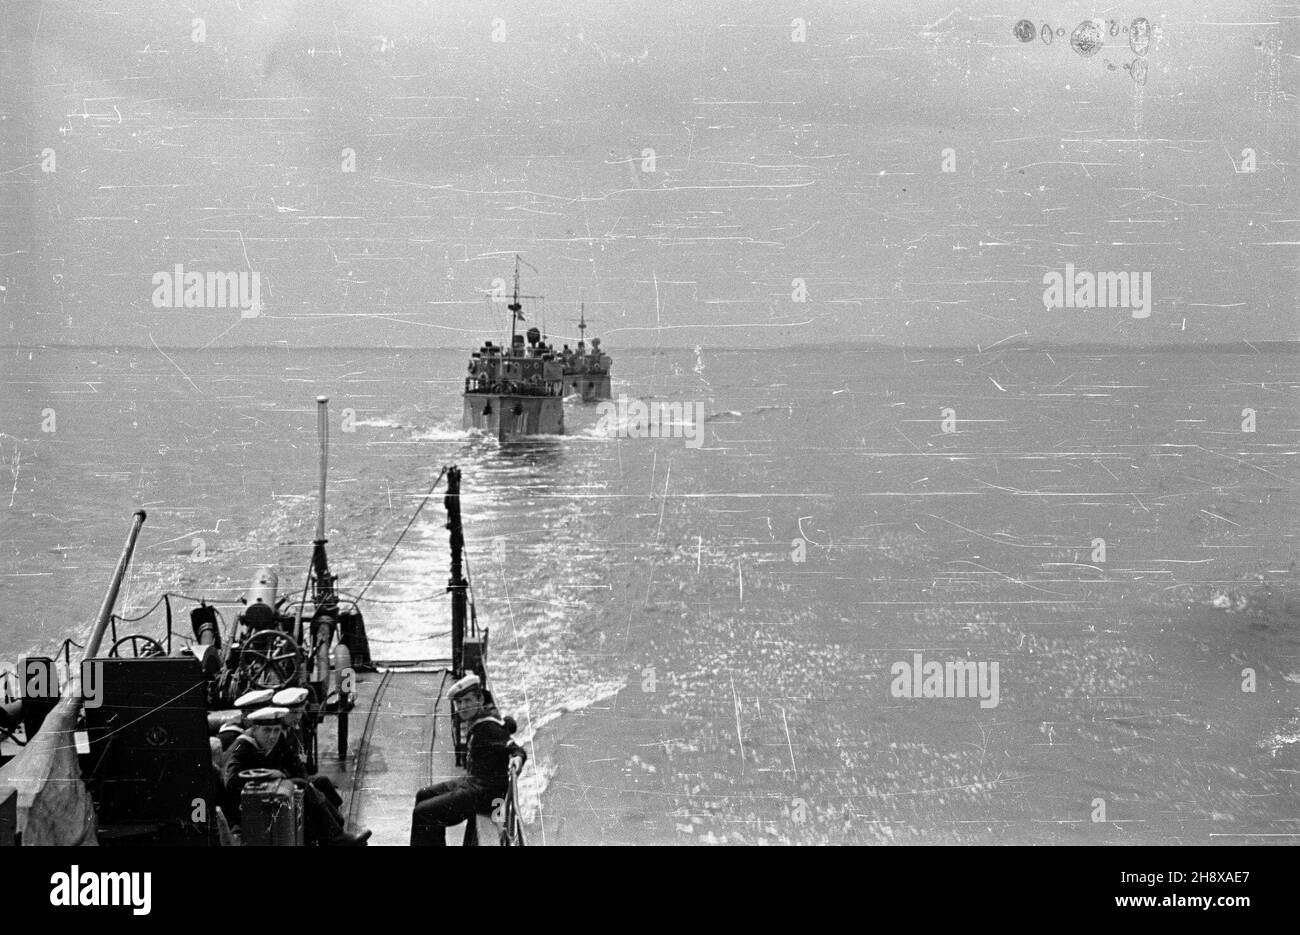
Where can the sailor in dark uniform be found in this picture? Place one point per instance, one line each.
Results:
(444, 804)
(289, 752)
(250, 750)
(259, 747)
(228, 734)
(251, 701)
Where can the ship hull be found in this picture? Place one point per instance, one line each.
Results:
(510, 417)
(593, 387)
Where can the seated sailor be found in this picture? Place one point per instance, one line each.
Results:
(294, 702)
(290, 753)
(250, 701)
(486, 779)
(228, 733)
(259, 747)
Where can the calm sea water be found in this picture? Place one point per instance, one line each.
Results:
(699, 640)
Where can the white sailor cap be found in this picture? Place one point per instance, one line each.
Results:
(254, 699)
(468, 683)
(266, 716)
(290, 697)
(230, 727)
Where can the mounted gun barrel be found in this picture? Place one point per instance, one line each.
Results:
(110, 597)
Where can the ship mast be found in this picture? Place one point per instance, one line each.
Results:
(515, 307)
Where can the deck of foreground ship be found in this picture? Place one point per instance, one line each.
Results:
(400, 740)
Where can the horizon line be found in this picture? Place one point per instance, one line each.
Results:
(864, 345)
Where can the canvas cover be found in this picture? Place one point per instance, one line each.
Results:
(54, 805)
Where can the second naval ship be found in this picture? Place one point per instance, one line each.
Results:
(586, 372)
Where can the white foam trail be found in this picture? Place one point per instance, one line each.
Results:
(1283, 738)
(536, 777)
(445, 431)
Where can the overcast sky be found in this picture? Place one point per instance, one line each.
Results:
(677, 167)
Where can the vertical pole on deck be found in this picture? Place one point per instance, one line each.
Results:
(457, 584)
(323, 588)
(322, 432)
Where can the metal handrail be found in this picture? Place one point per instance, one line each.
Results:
(512, 826)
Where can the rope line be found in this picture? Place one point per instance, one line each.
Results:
(403, 600)
(433, 729)
(143, 615)
(411, 639)
(409, 524)
(207, 600)
(362, 755)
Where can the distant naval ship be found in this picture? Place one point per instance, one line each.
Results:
(515, 391)
(586, 372)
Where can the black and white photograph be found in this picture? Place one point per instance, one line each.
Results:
(607, 423)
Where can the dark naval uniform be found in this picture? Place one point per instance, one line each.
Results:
(288, 752)
(322, 820)
(444, 804)
(243, 754)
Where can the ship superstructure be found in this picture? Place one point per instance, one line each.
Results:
(515, 390)
(586, 370)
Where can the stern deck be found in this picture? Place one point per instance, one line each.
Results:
(399, 741)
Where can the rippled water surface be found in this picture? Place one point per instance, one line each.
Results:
(703, 636)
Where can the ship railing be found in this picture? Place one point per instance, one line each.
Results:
(512, 826)
(513, 388)
(501, 825)
(269, 657)
(284, 638)
(164, 645)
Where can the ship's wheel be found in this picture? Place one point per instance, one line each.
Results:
(136, 646)
(270, 659)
